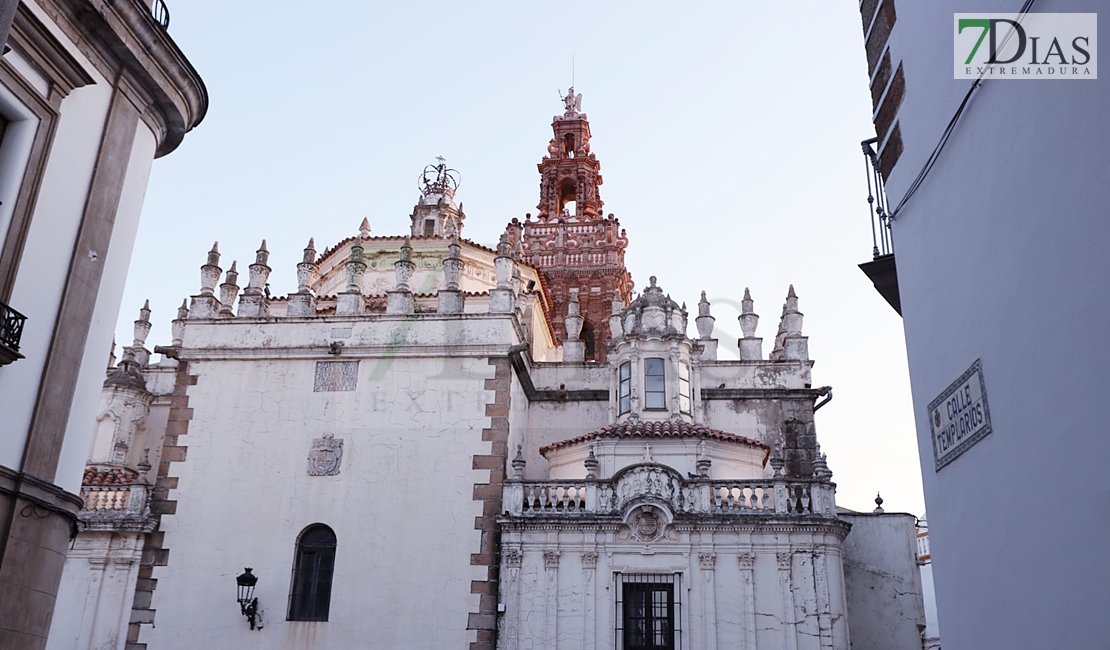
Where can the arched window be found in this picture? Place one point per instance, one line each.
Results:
(310, 595)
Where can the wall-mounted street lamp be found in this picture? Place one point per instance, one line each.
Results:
(247, 602)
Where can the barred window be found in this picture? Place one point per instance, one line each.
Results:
(655, 383)
(624, 390)
(683, 388)
(310, 596)
(648, 611)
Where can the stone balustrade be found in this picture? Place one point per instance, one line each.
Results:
(659, 484)
(114, 500)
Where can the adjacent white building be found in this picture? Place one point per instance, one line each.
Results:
(998, 189)
(90, 94)
(407, 453)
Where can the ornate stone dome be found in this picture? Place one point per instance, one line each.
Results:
(653, 312)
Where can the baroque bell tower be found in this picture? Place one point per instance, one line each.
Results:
(571, 242)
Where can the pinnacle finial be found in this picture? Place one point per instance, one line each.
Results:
(519, 463)
(652, 281)
(878, 504)
(144, 312)
(309, 252)
(364, 228)
(790, 293)
(777, 461)
(183, 310)
(214, 254)
(263, 254)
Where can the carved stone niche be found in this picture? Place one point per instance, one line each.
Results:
(326, 456)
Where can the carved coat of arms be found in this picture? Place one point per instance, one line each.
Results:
(326, 455)
(646, 524)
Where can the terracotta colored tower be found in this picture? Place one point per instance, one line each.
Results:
(571, 242)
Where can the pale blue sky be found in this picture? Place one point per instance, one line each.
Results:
(728, 135)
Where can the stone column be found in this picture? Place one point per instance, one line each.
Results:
(512, 558)
(551, 598)
(821, 592)
(707, 560)
(589, 569)
(789, 631)
(747, 600)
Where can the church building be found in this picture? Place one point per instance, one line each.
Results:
(435, 444)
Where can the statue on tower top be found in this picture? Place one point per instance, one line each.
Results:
(572, 102)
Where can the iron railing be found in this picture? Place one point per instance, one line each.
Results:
(881, 241)
(161, 13)
(11, 327)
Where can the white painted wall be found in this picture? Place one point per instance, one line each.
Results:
(1002, 257)
(116, 260)
(46, 254)
(883, 585)
(799, 607)
(402, 506)
(96, 592)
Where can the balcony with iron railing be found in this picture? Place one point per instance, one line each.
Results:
(11, 330)
(881, 269)
(161, 13)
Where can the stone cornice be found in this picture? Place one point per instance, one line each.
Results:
(122, 39)
(700, 523)
(32, 38)
(762, 393)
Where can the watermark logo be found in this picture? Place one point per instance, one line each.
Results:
(1027, 46)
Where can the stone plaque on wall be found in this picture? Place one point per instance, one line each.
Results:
(959, 416)
(332, 376)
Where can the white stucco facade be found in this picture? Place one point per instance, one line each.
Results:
(468, 479)
(1001, 259)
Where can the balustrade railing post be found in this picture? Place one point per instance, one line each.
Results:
(591, 497)
(782, 497)
(705, 497)
(514, 497)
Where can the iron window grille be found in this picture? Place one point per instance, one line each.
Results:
(655, 383)
(649, 611)
(624, 391)
(310, 596)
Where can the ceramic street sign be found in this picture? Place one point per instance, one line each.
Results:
(959, 416)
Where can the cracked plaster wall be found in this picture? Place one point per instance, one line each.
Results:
(95, 594)
(572, 605)
(402, 506)
(883, 583)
